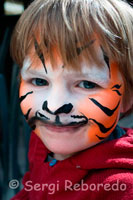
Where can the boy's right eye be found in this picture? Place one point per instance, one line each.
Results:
(39, 82)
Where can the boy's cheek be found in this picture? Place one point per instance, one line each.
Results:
(26, 98)
(98, 105)
(103, 111)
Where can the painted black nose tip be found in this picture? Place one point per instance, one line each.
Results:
(66, 108)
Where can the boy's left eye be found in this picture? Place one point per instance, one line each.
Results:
(87, 85)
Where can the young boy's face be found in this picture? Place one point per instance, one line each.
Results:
(71, 110)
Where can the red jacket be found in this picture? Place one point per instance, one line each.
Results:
(103, 172)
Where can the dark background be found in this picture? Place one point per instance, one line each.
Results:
(14, 132)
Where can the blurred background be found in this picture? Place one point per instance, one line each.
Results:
(14, 132)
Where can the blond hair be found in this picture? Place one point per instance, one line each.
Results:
(66, 23)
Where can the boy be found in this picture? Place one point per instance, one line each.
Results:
(76, 78)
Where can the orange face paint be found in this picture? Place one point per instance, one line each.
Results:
(104, 108)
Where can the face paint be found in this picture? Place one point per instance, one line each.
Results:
(40, 54)
(106, 58)
(80, 49)
(106, 106)
(71, 110)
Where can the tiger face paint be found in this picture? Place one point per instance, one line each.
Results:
(71, 110)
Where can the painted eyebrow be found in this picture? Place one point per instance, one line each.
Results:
(40, 54)
(80, 49)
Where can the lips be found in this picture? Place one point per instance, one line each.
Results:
(56, 126)
(64, 128)
(71, 127)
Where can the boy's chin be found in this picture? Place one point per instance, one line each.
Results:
(63, 150)
(65, 144)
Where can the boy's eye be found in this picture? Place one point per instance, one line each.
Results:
(39, 82)
(87, 85)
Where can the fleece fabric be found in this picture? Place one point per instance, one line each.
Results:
(103, 172)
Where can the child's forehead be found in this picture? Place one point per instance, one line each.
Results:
(84, 53)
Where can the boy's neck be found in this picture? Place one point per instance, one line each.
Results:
(61, 156)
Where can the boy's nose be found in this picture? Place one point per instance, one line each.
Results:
(66, 108)
(58, 98)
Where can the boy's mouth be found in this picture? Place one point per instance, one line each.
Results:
(58, 126)
(73, 126)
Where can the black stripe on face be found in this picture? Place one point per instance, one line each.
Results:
(102, 128)
(40, 115)
(80, 123)
(45, 107)
(106, 59)
(116, 88)
(79, 117)
(23, 97)
(100, 138)
(27, 114)
(40, 54)
(106, 110)
(117, 92)
(57, 120)
(80, 49)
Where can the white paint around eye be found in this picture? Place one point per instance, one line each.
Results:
(92, 72)
(99, 75)
(95, 73)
